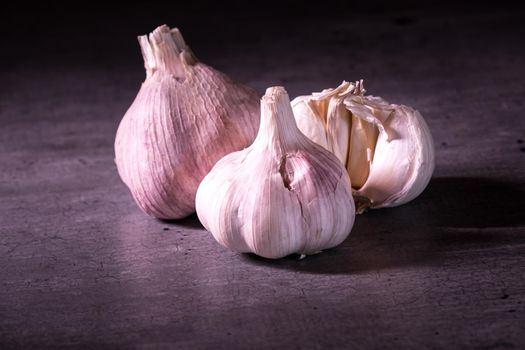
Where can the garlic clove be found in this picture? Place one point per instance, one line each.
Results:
(338, 128)
(284, 194)
(404, 159)
(390, 153)
(365, 131)
(310, 121)
(361, 149)
(323, 119)
(186, 116)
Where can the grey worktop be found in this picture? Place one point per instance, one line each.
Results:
(82, 266)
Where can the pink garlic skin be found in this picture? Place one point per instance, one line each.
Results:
(185, 118)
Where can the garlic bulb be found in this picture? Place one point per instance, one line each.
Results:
(185, 117)
(284, 194)
(387, 148)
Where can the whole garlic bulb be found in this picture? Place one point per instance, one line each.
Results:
(387, 148)
(284, 194)
(185, 117)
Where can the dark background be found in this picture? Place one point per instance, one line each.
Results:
(81, 266)
(101, 34)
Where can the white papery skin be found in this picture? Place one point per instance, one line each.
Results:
(284, 194)
(185, 117)
(387, 148)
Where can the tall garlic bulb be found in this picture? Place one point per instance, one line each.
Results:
(185, 117)
(284, 194)
(387, 148)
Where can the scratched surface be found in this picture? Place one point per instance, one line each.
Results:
(81, 266)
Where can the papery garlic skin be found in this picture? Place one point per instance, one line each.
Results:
(284, 194)
(387, 148)
(185, 117)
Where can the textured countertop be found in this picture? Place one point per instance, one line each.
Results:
(82, 266)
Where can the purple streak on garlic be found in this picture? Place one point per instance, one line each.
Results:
(185, 117)
(284, 194)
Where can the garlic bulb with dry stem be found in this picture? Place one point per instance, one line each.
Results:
(185, 117)
(387, 148)
(284, 194)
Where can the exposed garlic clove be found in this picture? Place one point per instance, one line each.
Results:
(361, 148)
(309, 120)
(284, 194)
(338, 128)
(185, 117)
(402, 166)
(390, 152)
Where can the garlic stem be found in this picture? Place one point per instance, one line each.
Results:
(278, 128)
(165, 49)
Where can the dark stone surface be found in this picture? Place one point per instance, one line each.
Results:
(81, 266)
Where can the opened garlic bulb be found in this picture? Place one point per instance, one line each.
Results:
(387, 148)
(185, 117)
(284, 194)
